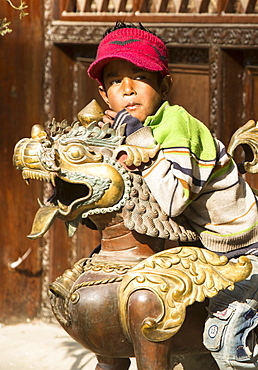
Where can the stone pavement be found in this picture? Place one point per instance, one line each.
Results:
(43, 346)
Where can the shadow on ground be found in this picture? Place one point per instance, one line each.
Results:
(43, 346)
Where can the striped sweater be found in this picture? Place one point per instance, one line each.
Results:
(194, 176)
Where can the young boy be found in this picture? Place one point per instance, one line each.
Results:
(193, 176)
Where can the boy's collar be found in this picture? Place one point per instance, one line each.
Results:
(152, 120)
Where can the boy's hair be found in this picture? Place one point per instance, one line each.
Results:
(134, 44)
(120, 24)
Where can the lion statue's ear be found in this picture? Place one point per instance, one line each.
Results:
(90, 113)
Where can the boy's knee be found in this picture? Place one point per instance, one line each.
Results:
(229, 333)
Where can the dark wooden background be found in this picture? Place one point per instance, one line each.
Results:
(43, 65)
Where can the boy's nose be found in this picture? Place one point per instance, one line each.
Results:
(128, 87)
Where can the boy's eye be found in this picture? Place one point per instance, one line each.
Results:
(115, 82)
(140, 77)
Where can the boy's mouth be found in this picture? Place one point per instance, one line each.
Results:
(132, 106)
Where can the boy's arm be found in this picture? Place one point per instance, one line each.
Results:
(174, 177)
(165, 186)
(140, 147)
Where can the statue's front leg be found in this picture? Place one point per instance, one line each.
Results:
(109, 363)
(149, 355)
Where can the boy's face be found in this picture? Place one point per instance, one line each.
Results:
(126, 86)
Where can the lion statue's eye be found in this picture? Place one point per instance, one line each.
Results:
(75, 152)
(79, 154)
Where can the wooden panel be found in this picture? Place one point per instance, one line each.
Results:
(255, 96)
(252, 92)
(62, 84)
(239, 94)
(251, 73)
(232, 85)
(213, 11)
(87, 88)
(87, 241)
(21, 97)
(65, 251)
(189, 68)
(191, 90)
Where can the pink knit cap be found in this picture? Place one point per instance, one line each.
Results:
(139, 47)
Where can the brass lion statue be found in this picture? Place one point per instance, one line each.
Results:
(135, 297)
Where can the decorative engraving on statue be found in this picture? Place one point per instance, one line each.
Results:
(75, 297)
(57, 129)
(107, 266)
(96, 282)
(93, 135)
(136, 155)
(179, 277)
(60, 289)
(62, 285)
(246, 135)
(98, 195)
(143, 214)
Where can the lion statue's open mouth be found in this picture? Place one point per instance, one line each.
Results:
(84, 177)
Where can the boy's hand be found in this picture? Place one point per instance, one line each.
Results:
(118, 119)
(132, 123)
(138, 151)
(109, 117)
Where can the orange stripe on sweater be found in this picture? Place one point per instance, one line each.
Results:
(234, 219)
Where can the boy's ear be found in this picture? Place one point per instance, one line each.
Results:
(103, 94)
(166, 85)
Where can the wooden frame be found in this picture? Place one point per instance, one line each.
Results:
(168, 11)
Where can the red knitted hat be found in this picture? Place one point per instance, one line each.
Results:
(139, 47)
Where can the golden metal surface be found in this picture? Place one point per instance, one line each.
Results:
(92, 112)
(136, 155)
(247, 134)
(93, 264)
(61, 287)
(178, 277)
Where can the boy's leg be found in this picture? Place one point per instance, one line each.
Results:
(229, 330)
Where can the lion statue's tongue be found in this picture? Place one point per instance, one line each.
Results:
(44, 218)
